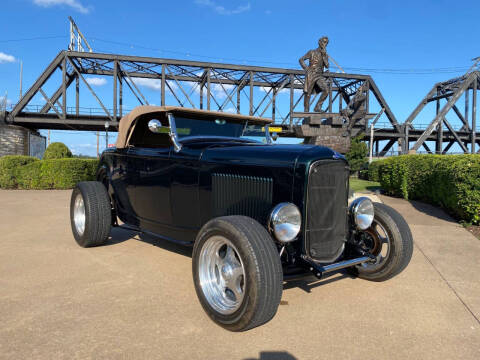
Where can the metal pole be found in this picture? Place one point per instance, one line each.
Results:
(48, 136)
(162, 101)
(77, 95)
(208, 89)
(474, 115)
(21, 79)
(251, 93)
(371, 145)
(64, 87)
(238, 99)
(115, 74)
(438, 145)
(467, 100)
(106, 138)
(120, 95)
(292, 90)
(273, 104)
(98, 145)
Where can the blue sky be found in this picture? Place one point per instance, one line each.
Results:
(404, 45)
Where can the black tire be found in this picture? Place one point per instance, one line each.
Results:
(263, 271)
(98, 214)
(401, 246)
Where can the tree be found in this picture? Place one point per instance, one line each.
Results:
(57, 150)
(357, 155)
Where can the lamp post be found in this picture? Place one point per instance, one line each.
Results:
(106, 134)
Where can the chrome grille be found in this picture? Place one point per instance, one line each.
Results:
(326, 209)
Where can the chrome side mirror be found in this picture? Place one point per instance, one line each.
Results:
(274, 136)
(155, 126)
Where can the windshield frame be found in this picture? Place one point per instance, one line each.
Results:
(176, 137)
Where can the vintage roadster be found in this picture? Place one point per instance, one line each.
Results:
(256, 213)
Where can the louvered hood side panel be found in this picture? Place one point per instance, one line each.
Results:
(242, 195)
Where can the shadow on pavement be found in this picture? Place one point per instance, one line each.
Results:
(274, 355)
(432, 211)
(120, 234)
(311, 282)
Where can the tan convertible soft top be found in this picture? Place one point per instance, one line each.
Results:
(128, 120)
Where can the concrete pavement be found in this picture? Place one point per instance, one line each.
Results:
(134, 298)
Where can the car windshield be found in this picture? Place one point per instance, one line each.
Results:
(217, 127)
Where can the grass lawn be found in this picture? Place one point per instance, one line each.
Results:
(358, 185)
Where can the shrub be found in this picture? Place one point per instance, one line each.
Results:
(449, 181)
(357, 155)
(56, 173)
(57, 150)
(373, 170)
(9, 166)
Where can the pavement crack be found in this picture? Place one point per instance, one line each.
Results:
(448, 284)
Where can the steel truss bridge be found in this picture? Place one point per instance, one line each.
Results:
(253, 90)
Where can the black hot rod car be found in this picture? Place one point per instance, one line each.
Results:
(255, 213)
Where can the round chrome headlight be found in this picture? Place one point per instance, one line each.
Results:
(362, 212)
(285, 222)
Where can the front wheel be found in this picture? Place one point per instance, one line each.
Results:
(390, 240)
(237, 272)
(90, 213)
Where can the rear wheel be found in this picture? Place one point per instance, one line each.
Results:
(390, 240)
(90, 213)
(237, 272)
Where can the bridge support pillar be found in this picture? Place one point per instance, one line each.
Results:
(17, 140)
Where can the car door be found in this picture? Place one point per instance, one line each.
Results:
(152, 189)
(184, 191)
(122, 179)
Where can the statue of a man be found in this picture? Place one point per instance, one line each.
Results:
(314, 79)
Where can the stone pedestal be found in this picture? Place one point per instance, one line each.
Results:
(326, 130)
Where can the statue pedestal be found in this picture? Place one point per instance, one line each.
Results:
(325, 129)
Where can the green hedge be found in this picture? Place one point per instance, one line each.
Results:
(373, 169)
(49, 174)
(9, 165)
(449, 181)
(57, 150)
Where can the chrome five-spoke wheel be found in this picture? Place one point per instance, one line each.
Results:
(237, 272)
(222, 275)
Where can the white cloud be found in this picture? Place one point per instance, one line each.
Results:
(283, 91)
(74, 4)
(154, 84)
(96, 81)
(268, 88)
(4, 58)
(216, 90)
(221, 9)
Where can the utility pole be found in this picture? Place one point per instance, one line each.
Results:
(21, 79)
(48, 137)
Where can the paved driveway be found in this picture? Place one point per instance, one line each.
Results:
(134, 298)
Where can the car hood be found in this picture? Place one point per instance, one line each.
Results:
(266, 155)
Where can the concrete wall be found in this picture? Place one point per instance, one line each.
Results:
(16, 140)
